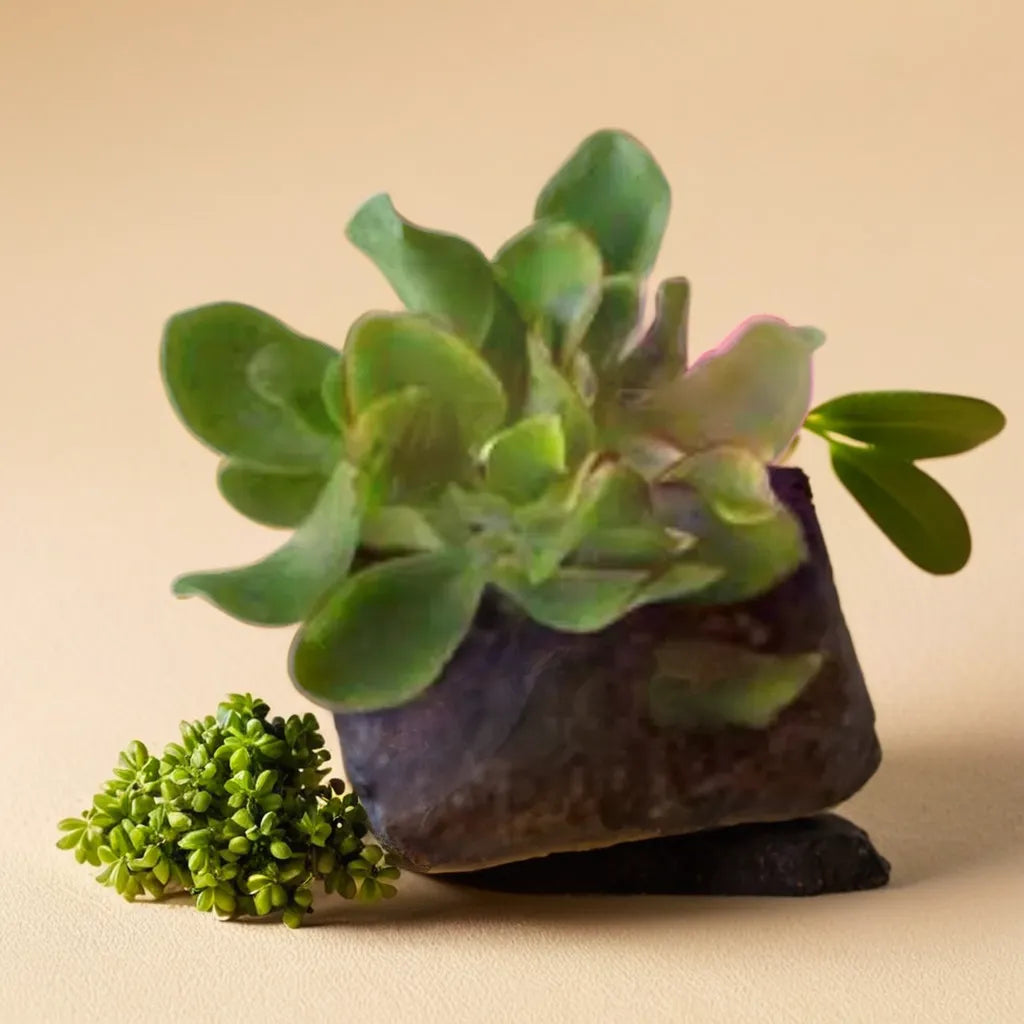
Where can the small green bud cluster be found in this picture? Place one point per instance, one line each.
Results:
(240, 814)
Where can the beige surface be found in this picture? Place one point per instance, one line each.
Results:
(857, 166)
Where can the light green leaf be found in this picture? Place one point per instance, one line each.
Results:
(389, 352)
(407, 447)
(431, 272)
(205, 357)
(733, 482)
(702, 683)
(553, 272)
(550, 392)
(284, 587)
(752, 392)
(909, 424)
(613, 189)
(269, 496)
(398, 528)
(914, 511)
(755, 556)
(385, 634)
(662, 352)
(639, 546)
(525, 459)
(574, 599)
(332, 393)
(615, 320)
(682, 580)
(291, 375)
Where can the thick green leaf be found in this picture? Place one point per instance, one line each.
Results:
(612, 188)
(332, 392)
(662, 352)
(755, 556)
(398, 528)
(574, 599)
(505, 351)
(285, 586)
(526, 458)
(732, 481)
(431, 272)
(550, 392)
(706, 684)
(268, 496)
(291, 375)
(909, 424)
(389, 352)
(624, 547)
(205, 359)
(682, 580)
(385, 634)
(914, 511)
(553, 272)
(407, 446)
(615, 320)
(752, 392)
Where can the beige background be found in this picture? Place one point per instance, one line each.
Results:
(854, 165)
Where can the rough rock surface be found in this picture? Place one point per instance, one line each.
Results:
(535, 741)
(805, 857)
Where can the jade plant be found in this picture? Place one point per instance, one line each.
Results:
(239, 814)
(520, 430)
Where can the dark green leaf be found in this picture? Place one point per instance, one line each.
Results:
(505, 351)
(553, 272)
(914, 511)
(615, 320)
(386, 353)
(205, 358)
(612, 188)
(290, 374)
(662, 352)
(283, 587)
(909, 424)
(526, 458)
(703, 683)
(431, 272)
(385, 634)
(268, 496)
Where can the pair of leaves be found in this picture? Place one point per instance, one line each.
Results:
(706, 684)
(888, 430)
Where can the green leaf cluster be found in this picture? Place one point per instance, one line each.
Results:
(240, 814)
(875, 439)
(514, 428)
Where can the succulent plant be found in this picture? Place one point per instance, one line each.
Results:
(518, 429)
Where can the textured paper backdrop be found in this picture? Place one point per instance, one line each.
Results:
(857, 166)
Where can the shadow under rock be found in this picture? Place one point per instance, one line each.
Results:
(944, 807)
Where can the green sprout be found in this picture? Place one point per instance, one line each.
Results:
(239, 814)
(517, 429)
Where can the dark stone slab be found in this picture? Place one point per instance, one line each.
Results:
(806, 857)
(534, 741)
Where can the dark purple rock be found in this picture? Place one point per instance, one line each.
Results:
(535, 741)
(806, 857)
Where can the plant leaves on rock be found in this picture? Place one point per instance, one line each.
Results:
(520, 430)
